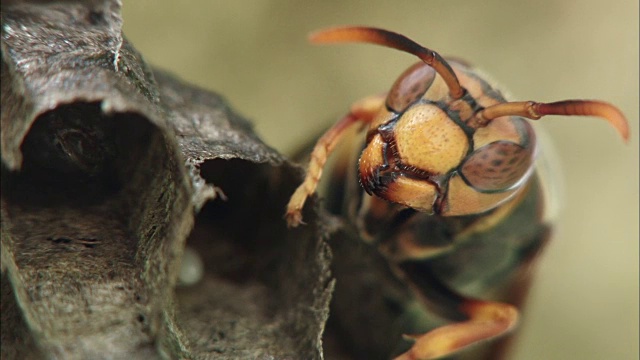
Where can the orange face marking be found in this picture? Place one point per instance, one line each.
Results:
(502, 129)
(464, 200)
(416, 194)
(370, 161)
(429, 140)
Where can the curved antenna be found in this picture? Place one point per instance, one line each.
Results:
(395, 41)
(535, 110)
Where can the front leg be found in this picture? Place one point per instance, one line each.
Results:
(362, 112)
(475, 320)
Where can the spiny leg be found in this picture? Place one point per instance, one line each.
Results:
(487, 320)
(476, 320)
(362, 112)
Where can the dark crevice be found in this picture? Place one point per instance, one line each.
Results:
(226, 233)
(250, 258)
(77, 206)
(78, 167)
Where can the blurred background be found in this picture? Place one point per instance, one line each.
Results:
(584, 304)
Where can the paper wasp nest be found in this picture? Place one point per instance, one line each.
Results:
(108, 171)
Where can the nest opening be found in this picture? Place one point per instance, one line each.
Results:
(231, 243)
(82, 172)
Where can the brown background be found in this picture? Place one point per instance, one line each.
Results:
(585, 302)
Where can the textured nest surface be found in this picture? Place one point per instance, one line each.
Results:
(110, 168)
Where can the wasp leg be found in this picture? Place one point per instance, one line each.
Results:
(475, 320)
(362, 112)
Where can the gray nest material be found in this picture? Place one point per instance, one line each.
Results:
(109, 169)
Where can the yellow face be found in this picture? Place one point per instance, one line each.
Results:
(422, 152)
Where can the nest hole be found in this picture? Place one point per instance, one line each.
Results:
(238, 237)
(85, 179)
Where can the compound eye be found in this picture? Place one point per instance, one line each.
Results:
(410, 86)
(498, 166)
